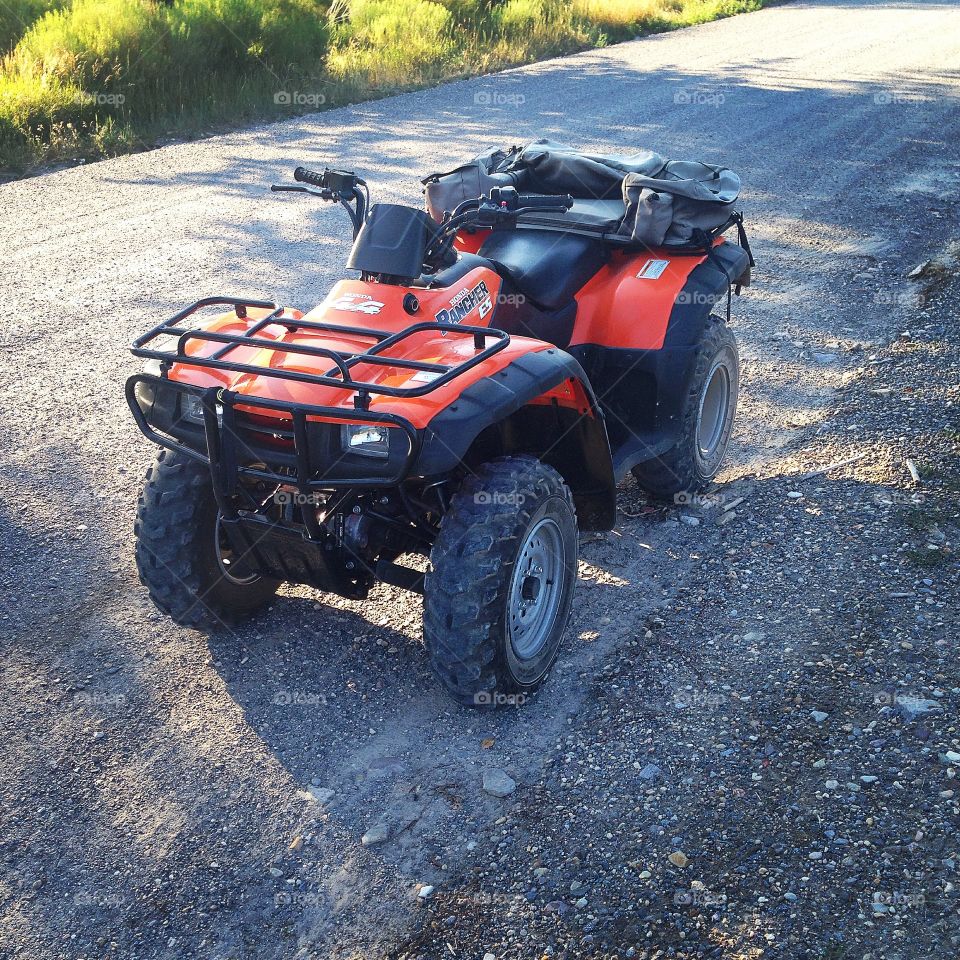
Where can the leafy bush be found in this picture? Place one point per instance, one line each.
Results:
(384, 44)
(110, 71)
(540, 27)
(92, 43)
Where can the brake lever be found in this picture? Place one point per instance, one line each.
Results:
(322, 194)
(488, 215)
(520, 211)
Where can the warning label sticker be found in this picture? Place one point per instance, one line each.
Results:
(652, 269)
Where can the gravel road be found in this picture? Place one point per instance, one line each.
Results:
(748, 747)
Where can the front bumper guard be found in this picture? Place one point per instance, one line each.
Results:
(232, 452)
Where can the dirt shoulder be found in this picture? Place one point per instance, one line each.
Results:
(769, 767)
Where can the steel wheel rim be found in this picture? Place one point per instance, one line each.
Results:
(536, 589)
(712, 415)
(225, 556)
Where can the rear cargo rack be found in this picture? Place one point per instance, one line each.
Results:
(339, 375)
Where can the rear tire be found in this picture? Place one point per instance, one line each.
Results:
(706, 424)
(498, 597)
(181, 556)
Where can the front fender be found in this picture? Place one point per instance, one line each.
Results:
(575, 443)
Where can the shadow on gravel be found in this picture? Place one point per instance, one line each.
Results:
(682, 112)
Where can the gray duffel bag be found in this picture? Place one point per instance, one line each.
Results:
(444, 191)
(682, 197)
(664, 201)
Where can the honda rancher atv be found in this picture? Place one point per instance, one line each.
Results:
(501, 363)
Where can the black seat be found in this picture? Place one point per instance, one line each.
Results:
(546, 266)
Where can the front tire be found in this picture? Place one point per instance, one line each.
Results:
(706, 421)
(182, 557)
(498, 597)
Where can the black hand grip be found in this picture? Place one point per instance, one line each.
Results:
(303, 175)
(541, 200)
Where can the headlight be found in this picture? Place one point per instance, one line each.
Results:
(366, 439)
(191, 407)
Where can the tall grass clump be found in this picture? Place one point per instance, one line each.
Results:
(623, 19)
(109, 74)
(390, 44)
(17, 16)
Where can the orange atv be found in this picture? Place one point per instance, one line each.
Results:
(473, 398)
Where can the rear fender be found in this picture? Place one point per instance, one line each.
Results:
(646, 369)
(637, 301)
(541, 403)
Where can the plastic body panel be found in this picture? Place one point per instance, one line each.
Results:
(628, 302)
(377, 306)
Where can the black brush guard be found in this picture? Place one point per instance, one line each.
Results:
(230, 439)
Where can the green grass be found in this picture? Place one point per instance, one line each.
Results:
(17, 16)
(93, 78)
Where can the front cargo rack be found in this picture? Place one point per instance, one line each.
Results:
(339, 375)
(234, 448)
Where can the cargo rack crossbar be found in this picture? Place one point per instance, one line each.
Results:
(339, 375)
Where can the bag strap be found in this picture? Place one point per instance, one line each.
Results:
(704, 239)
(742, 236)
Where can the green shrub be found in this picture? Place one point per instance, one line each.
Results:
(101, 68)
(92, 43)
(236, 35)
(390, 44)
(540, 27)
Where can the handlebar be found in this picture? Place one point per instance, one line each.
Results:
(340, 186)
(507, 198)
(544, 201)
(502, 205)
(303, 175)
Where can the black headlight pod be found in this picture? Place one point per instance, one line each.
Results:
(366, 439)
(191, 407)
